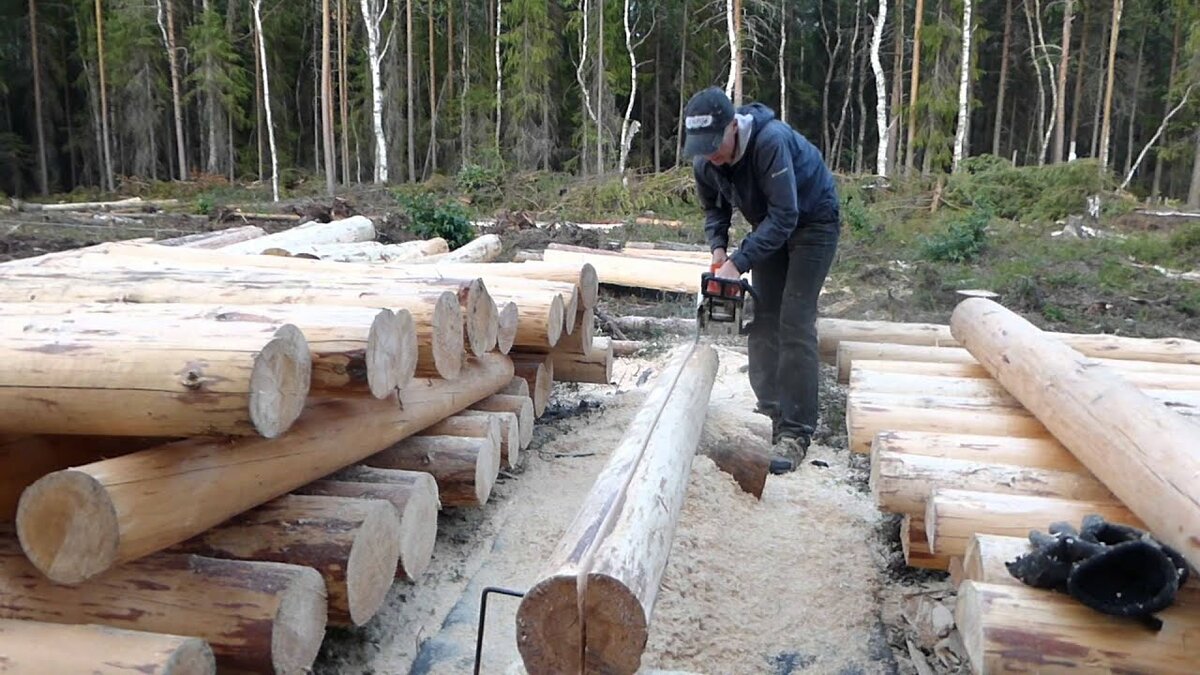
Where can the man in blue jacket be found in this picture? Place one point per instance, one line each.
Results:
(749, 160)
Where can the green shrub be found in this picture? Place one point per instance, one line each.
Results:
(1028, 194)
(962, 241)
(429, 218)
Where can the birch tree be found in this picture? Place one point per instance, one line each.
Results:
(881, 111)
(43, 176)
(373, 12)
(327, 100)
(167, 28)
(499, 73)
(1106, 123)
(783, 16)
(629, 127)
(1002, 89)
(266, 86)
(964, 88)
(1154, 139)
(1064, 61)
(107, 173)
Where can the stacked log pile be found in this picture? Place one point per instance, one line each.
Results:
(987, 428)
(208, 455)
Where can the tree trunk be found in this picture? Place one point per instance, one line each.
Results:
(1042, 131)
(499, 72)
(1064, 64)
(1137, 91)
(103, 529)
(1002, 89)
(538, 371)
(683, 96)
(1119, 433)
(881, 112)
(732, 23)
(258, 107)
(1100, 81)
(914, 88)
(1077, 99)
(107, 182)
(353, 543)
(897, 108)
(343, 88)
(964, 90)
(783, 19)
(617, 269)
(1156, 187)
(1154, 139)
(852, 67)
(1106, 124)
(628, 127)
(266, 85)
(465, 468)
(373, 16)
(168, 33)
(31, 647)
(595, 598)
(35, 63)
(327, 101)
(1193, 199)
(432, 94)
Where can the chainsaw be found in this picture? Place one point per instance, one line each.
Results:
(724, 307)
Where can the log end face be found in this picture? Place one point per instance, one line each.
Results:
(280, 381)
(300, 620)
(549, 636)
(589, 286)
(480, 317)
(617, 626)
(968, 617)
(506, 332)
(68, 526)
(193, 656)
(525, 419)
(447, 341)
(487, 468)
(555, 318)
(407, 349)
(383, 358)
(373, 561)
(418, 527)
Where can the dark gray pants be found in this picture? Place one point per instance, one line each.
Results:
(784, 363)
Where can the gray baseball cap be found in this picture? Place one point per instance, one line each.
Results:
(705, 118)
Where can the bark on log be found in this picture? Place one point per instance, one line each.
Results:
(901, 483)
(869, 414)
(595, 597)
(354, 228)
(953, 516)
(257, 616)
(621, 270)
(128, 381)
(216, 238)
(521, 406)
(594, 367)
(915, 545)
(31, 647)
(538, 371)
(747, 466)
(465, 468)
(1142, 450)
(353, 543)
(415, 501)
(435, 310)
(77, 523)
(1020, 629)
(352, 348)
(500, 428)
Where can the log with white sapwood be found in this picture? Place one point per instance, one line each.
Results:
(500, 427)
(594, 367)
(868, 414)
(538, 371)
(511, 443)
(125, 203)
(521, 406)
(32, 647)
(590, 611)
(482, 249)
(77, 523)
(465, 468)
(353, 543)
(415, 499)
(256, 616)
(621, 270)
(1008, 628)
(1031, 453)
(952, 516)
(352, 348)
(146, 380)
(374, 12)
(372, 251)
(352, 229)
(881, 112)
(582, 275)
(1138, 447)
(216, 238)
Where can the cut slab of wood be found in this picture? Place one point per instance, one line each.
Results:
(465, 468)
(591, 608)
(621, 270)
(216, 238)
(30, 647)
(1141, 449)
(256, 616)
(415, 500)
(353, 543)
(953, 516)
(521, 406)
(538, 371)
(594, 367)
(1009, 628)
(77, 523)
(354, 228)
(135, 381)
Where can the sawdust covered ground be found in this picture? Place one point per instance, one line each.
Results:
(792, 583)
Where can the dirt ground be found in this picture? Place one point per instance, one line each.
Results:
(804, 581)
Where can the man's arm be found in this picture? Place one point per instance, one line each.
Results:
(717, 211)
(777, 177)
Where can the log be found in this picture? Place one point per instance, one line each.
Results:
(1138, 447)
(354, 228)
(747, 466)
(621, 270)
(77, 523)
(952, 516)
(98, 206)
(482, 249)
(590, 611)
(499, 428)
(518, 386)
(541, 316)
(521, 406)
(353, 543)
(901, 482)
(416, 504)
(352, 348)
(626, 347)
(832, 332)
(915, 545)
(582, 337)
(655, 325)
(510, 435)
(1009, 628)
(465, 468)
(538, 371)
(216, 238)
(507, 323)
(594, 367)
(495, 274)
(143, 382)
(1033, 453)
(373, 251)
(256, 616)
(435, 311)
(31, 647)
(986, 556)
(869, 414)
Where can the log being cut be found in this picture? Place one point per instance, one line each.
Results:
(353, 543)
(257, 616)
(150, 379)
(590, 610)
(1144, 452)
(77, 523)
(30, 647)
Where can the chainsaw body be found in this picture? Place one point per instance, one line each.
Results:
(724, 306)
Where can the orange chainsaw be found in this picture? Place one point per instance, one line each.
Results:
(724, 306)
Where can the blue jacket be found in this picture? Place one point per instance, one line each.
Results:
(780, 182)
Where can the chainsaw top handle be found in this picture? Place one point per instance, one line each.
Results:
(713, 286)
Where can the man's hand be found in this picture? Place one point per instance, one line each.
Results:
(729, 271)
(718, 256)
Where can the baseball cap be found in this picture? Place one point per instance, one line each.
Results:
(706, 115)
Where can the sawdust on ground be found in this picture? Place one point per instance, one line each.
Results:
(788, 584)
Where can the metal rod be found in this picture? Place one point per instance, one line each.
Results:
(483, 618)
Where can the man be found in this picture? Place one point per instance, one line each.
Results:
(749, 160)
